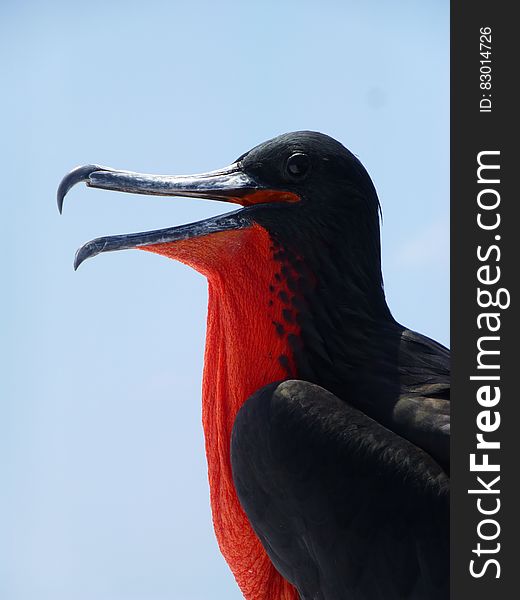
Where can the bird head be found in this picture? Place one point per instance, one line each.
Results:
(304, 189)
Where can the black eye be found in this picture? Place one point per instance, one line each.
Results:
(298, 164)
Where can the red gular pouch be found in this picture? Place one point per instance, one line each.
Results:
(250, 322)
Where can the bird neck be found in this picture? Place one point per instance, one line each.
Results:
(342, 311)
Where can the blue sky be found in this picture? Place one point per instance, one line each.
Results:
(104, 491)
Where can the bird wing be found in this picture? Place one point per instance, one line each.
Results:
(345, 508)
(422, 411)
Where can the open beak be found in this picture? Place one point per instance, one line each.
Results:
(230, 184)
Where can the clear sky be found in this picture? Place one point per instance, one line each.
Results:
(103, 491)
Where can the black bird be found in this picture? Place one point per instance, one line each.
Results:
(326, 421)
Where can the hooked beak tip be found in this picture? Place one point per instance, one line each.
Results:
(76, 263)
(78, 259)
(92, 248)
(77, 175)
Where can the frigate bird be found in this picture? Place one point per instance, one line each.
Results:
(326, 421)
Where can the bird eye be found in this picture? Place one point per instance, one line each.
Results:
(297, 164)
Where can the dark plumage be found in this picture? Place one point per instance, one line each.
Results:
(345, 508)
(346, 484)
